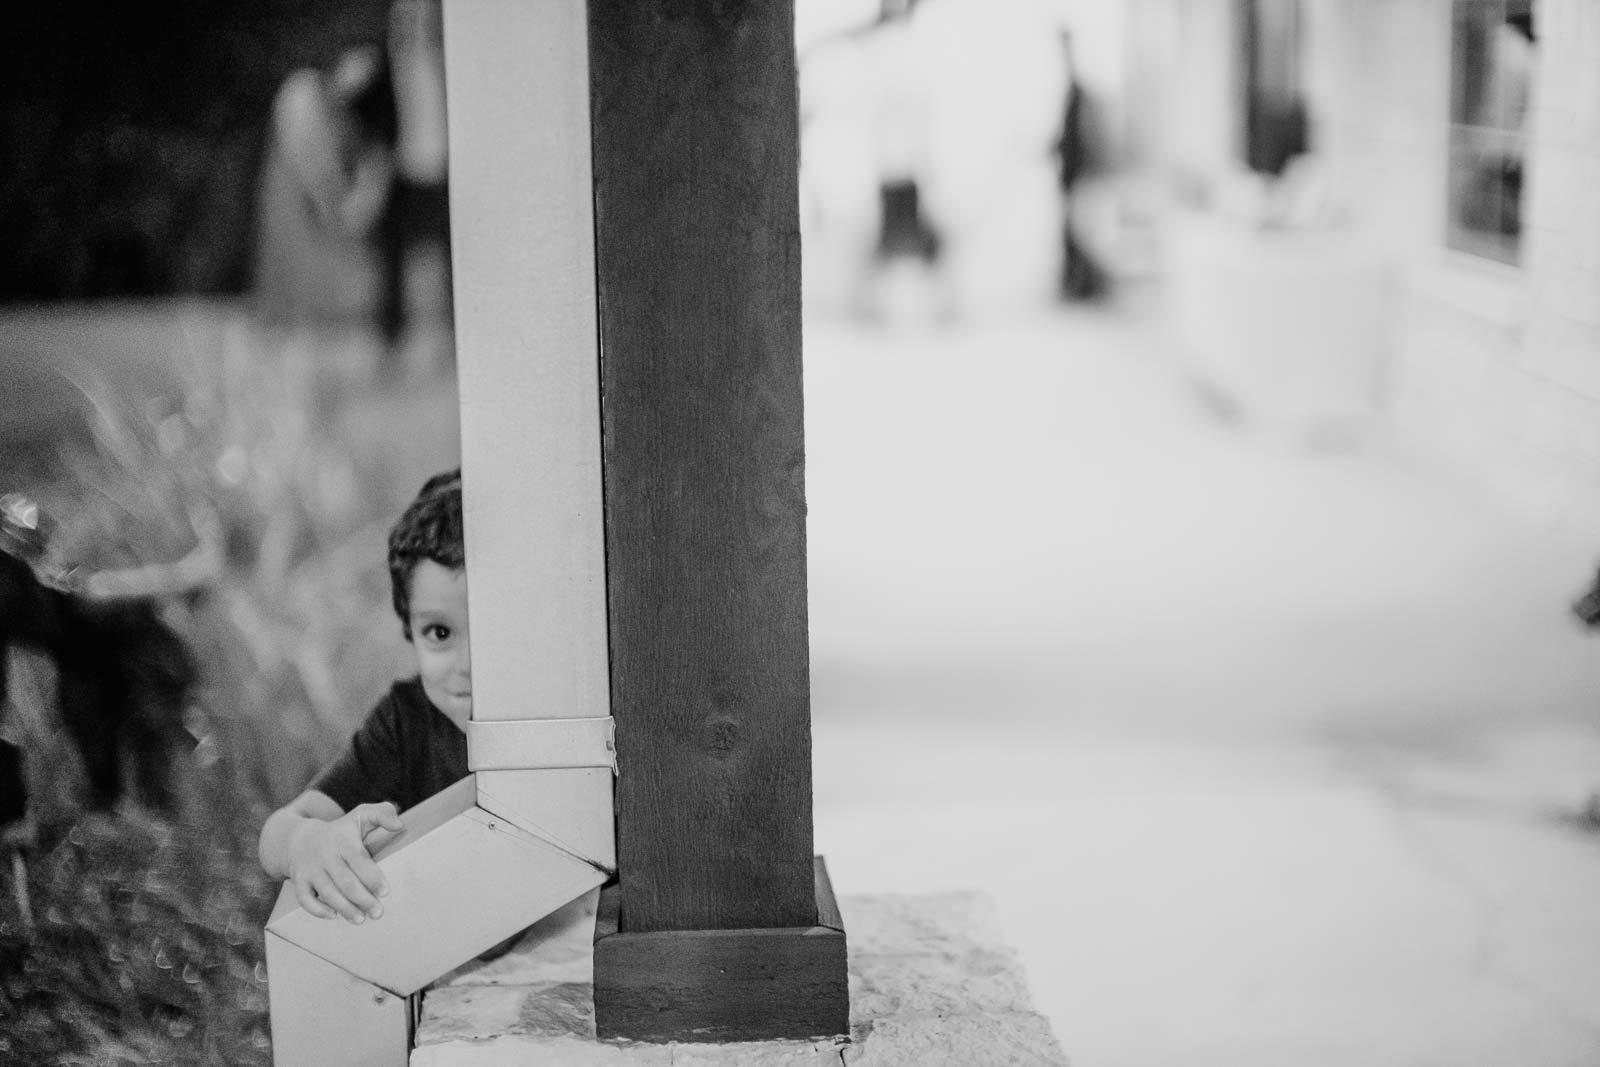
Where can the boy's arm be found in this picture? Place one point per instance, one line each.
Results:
(325, 852)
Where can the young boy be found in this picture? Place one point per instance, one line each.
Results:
(410, 747)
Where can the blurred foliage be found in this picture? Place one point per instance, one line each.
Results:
(130, 136)
(148, 946)
(275, 444)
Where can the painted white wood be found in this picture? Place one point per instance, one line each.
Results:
(322, 1016)
(454, 891)
(424, 818)
(522, 223)
(528, 362)
(561, 806)
(524, 744)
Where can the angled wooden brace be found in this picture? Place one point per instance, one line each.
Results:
(517, 839)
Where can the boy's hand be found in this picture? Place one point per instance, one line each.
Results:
(379, 825)
(331, 867)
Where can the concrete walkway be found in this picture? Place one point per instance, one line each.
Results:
(1267, 749)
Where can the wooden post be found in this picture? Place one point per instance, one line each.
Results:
(716, 931)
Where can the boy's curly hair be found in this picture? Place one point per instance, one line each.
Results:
(430, 528)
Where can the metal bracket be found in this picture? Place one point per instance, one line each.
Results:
(541, 744)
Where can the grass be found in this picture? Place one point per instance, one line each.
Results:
(147, 945)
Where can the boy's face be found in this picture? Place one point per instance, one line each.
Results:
(439, 636)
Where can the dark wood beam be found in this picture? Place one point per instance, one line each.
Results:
(698, 257)
(697, 248)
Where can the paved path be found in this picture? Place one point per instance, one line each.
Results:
(1267, 750)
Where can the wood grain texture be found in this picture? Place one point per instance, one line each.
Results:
(697, 246)
(720, 985)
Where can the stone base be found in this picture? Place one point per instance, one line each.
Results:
(931, 982)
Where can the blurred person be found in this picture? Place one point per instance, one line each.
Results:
(325, 185)
(416, 224)
(900, 121)
(1587, 610)
(1277, 126)
(412, 745)
(866, 133)
(1077, 155)
(994, 82)
(838, 204)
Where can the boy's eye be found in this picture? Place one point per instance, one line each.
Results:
(436, 632)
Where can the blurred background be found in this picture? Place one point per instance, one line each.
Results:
(1203, 425)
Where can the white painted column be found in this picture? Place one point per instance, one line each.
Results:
(522, 220)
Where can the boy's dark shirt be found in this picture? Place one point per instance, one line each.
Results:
(406, 751)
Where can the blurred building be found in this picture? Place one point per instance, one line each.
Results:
(1389, 207)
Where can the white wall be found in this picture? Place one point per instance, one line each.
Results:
(1496, 368)
(1499, 367)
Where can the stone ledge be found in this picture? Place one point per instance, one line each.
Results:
(989, 1039)
(931, 982)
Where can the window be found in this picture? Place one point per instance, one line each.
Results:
(1491, 65)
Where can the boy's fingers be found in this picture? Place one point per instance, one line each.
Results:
(330, 895)
(377, 837)
(373, 816)
(378, 824)
(372, 878)
(355, 893)
(308, 900)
